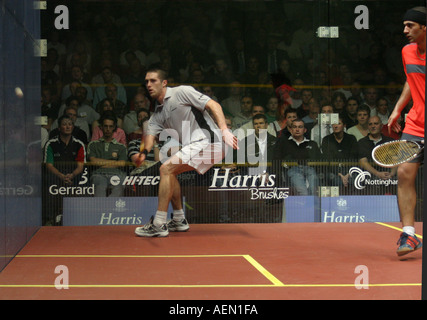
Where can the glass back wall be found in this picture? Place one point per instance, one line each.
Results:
(337, 55)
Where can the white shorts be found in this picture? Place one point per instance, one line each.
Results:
(202, 155)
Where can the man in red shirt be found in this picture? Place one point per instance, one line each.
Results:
(413, 56)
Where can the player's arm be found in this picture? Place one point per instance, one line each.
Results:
(147, 146)
(404, 99)
(215, 109)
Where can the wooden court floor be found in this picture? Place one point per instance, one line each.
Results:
(289, 261)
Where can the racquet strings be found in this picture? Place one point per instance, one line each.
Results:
(396, 153)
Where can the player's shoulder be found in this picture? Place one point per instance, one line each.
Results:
(410, 47)
(182, 89)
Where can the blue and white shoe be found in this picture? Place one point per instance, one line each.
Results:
(150, 230)
(178, 226)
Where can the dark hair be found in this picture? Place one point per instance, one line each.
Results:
(100, 104)
(364, 107)
(297, 120)
(354, 99)
(259, 116)
(71, 98)
(290, 110)
(62, 118)
(108, 115)
(163, 75)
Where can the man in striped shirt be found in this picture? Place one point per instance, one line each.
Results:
(185, 114)
(413, 56)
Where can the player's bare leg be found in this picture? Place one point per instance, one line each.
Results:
(169, 188)
(407, 198)
(169, 191)
(406, 192)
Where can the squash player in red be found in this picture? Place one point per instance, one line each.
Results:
(413, 56)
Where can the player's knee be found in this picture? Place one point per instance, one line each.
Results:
(406, 172)
(164, 170)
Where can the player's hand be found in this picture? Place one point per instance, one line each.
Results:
(230, 139)
(393, 123)
(138, 159)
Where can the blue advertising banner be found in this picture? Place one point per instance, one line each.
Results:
(345, 209)
(359, 209)
(302, 209)
(92, 211)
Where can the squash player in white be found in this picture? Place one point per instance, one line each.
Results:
(202, 137)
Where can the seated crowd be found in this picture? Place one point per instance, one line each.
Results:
(97, 96)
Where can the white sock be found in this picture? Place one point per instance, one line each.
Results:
(409, 230)
(160, 218)
(178, 215)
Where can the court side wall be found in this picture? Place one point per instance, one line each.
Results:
(20, 177)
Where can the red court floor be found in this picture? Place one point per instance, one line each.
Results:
(216, 262)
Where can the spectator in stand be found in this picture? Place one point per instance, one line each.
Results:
(134, 77)
(339, 146)
(80, 55)
(356, 91)
(313, 113)
(81, 129)
(85, 111)
(50, 79)
(97, 132)
(245, 113)
(321, 130)
(109, 157)
(361, 129)
(382, 110)
(368, 143)
(106, 75)
(103, 90)
(284, 128)
(119, 107)
(130, 122)
(272, 105)
(76, 77)
(338, 101)
(143, 115)
(231, 104)
(252, 74)
(248, 127)
(49, 107)
(209, 91)
(64, 157)
(299, 149)
(133, 51)
(258, 146)
(370, 97)
(239, 56)
(350, 112)
(306, 95)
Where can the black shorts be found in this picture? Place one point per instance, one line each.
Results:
(420, 157)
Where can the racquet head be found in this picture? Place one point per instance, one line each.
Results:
(393, 153)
